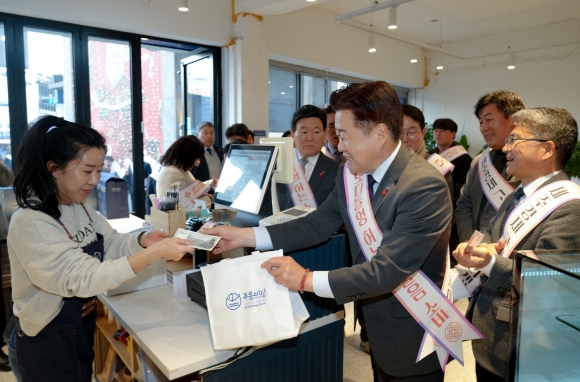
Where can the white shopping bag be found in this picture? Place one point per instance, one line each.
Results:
(246, 306)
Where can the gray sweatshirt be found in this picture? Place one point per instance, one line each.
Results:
(47, 265)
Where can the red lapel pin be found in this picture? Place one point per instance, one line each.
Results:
(321, 174)
(384, 192)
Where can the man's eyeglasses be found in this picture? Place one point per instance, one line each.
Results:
(509, 141)
(410, 135)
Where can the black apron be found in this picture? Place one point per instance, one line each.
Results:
(63, 349)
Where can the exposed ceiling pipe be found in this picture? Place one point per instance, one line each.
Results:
(373, 8)
(363, 27)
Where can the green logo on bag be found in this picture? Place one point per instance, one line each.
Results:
(233, 301)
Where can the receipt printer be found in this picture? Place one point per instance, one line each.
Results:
(195, 288)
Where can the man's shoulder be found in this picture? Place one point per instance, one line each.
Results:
(328, 162)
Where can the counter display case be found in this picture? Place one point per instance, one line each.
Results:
(545, 317)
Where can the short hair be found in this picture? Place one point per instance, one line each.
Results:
(445, 124)
(183, 153)
(556, 125)
(239, 130)
(506, 102)
(415, 114)
(328, 110)
(371, 103)
(49, 138)
(235, 142)
(203, 124)
(308, 111)
(287, 133)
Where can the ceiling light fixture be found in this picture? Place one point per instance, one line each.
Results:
(414, 56)
(372, 46)
(512, 64)
(311, 1)
(183, 5)
(440, 66)
(393, 17)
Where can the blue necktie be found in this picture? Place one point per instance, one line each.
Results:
(371, 182)
(519, 194)
(208, 151)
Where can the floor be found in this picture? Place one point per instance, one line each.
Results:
(357, 363)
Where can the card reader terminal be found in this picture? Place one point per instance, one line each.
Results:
(286, 215)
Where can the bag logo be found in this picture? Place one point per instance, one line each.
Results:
(233, 301)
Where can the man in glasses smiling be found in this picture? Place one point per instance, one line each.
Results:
(539, 215)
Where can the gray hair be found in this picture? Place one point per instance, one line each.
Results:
(556, 125)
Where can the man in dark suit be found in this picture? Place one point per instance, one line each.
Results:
(330, 148)
(537, 151)
(473, 209)
(308, 125)
(412, 208)
(210, 166)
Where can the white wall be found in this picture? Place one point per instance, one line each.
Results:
(208, 21)
(542, 77)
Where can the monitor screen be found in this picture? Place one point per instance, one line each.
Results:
(245, 176)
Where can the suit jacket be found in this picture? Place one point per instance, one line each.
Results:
(414, 214)
(473, 211)
(321, 183)
(489, 309)
(201, 172)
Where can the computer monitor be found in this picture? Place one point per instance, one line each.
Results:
(245, 177)
(285, 162)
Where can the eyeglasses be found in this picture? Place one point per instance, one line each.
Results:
(509, 141)
(410, 135)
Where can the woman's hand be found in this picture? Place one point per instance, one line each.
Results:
(173, 248)
(152, 237)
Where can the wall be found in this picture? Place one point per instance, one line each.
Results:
(207, 22)
(542, 77)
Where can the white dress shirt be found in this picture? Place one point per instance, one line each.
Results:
(309, 165)
(320, 282)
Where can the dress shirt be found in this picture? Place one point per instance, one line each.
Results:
(320, 282)
(528, 191)
(214, 165)
(310, 165)
(331, 150)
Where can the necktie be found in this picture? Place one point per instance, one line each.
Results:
(303, 162)
(371, 182)
(519, 194)
(208, 151)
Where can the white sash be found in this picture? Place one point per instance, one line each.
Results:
(300, 190)
(440, 163)
(453, 152)
(532, 210)
(442, 321)
(524, 218)
(494, 186)
(325, 151)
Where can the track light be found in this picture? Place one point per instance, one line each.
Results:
(393, 17)
(183, 5)
(414, 56)
(440, 66)
(372, 47)
(512, 64)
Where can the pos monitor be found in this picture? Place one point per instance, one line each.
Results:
(245, 177)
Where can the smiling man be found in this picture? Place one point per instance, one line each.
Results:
(537, 216)
(481, 197)
(314, 172)
(407, 204)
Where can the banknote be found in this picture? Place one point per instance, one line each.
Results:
(201, 241)
(474, 241)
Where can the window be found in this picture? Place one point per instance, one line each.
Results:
(283, 101)
(5, 153)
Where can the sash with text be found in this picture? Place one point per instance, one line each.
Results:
(453, 152)
(418, 294)
(494, 186)
(440, 163)
(300, 190)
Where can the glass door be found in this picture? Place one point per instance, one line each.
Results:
(198, 90)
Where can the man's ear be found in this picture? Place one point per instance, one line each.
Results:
(382, 132)
(550, 149)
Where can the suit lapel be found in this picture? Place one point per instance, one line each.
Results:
(391, 178)
(318, 172)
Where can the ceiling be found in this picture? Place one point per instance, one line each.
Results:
(439, 22)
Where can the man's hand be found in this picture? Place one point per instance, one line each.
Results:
(232, 237)
(288, 272)
(480, 256)
(152, 237)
